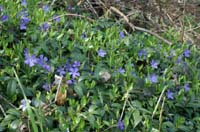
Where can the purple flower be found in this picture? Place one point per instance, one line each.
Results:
(154, 64)
(83, 36)
(70, 82)
(45, 26)
(169, 94)
(186, 87)
(45, 8)
(42, 61)
(179, 59)
(186, 53)
(56, 18)
(30, 60)
(141, 53)
(61, 71)
(153, 78)
(46, 67)
(121, 70)
(101, 53)
(74, 72)
(120, 125)
(23, 105)
(67, 65)
(76, 64)
(4, 18)
(23, 13)
(24, 21)
(121, 35)
(46, 87)
(23, 2)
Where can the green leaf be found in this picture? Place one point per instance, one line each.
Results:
(11, 88)
(83, 101)
(14, 112)
(78, 89)
(91, 119)
(15, 124)
(137, 118)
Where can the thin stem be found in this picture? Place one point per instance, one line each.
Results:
(30, 113)
(3, 98)
(4, 113)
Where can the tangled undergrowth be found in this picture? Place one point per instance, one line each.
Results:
(65, 72)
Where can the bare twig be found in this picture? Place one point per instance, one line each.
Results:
(124, 17)
(71, 14)
(138, 28)
(92, 8)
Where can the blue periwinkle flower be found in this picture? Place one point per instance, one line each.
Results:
(83, 36)
(153, 78)
(169, 94)
(56, 19)
(76, 64)
(154, 64)
(42, 61)
(101, 53)
(46, 87)
(23, 105)
(4, 18)
(179, 59)
(120, 125)
(121, 35)
(23, 22)
(45, 26)
(74, 72)
(121, 70)
(61, 71)
(186, 53)
(30, 60)
(142, 53)
(45, 8)
(23, 2)
(186, 87)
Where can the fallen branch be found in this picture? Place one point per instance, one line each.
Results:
(138, 28)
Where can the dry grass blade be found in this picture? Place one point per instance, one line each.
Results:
(158, 102)
(160, 118)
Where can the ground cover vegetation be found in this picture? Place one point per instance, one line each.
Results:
(80, 66)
